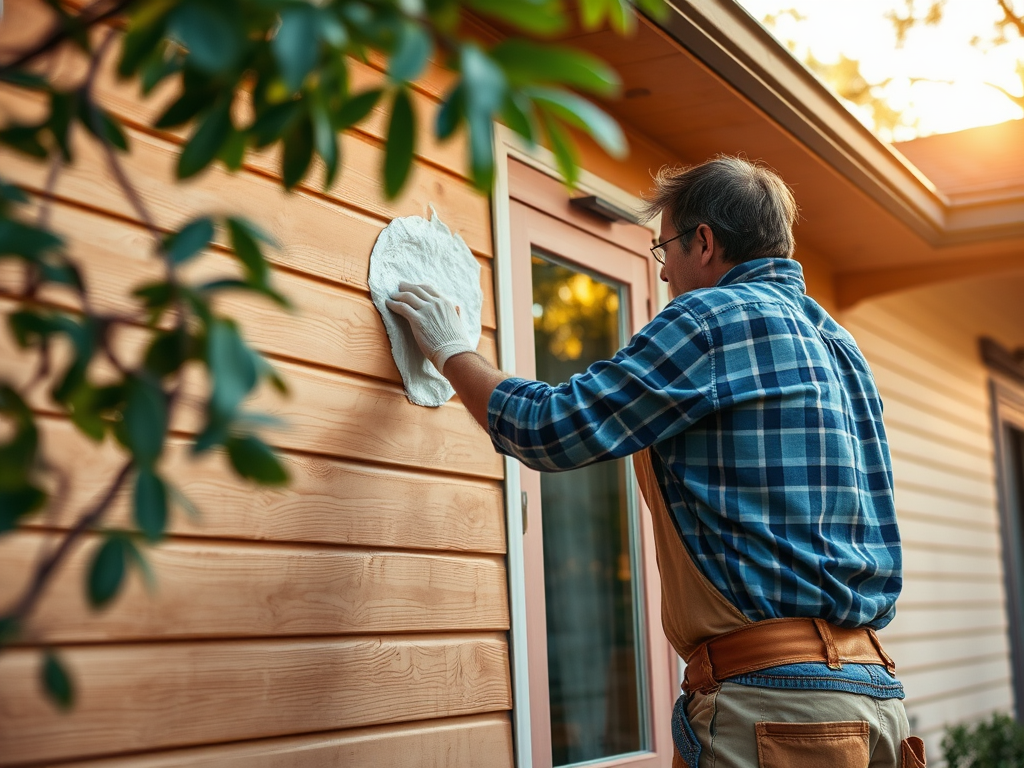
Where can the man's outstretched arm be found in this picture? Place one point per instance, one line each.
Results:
(441, 336)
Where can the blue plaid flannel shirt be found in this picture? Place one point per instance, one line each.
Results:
(768, 442)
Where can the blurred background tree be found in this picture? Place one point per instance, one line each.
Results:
(249, 75)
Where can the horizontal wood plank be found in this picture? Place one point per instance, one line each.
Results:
(333, 414)
(260, 590)
(923, 499)
(462, 742)
(328, 326)
(977, 464)
(921, 591)
(904, 412)
(326, 501)
(315, 229)
(917, 652)
(152, 696)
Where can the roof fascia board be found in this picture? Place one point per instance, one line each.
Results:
(733, 45)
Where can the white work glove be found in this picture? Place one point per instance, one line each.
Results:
(435, 322)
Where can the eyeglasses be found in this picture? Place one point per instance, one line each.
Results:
(659, 249)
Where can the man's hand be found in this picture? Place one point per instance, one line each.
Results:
(434, 320)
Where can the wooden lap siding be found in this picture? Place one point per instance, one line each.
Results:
(949, 637)
(357, 617)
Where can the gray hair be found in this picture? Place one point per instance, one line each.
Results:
(748, 207)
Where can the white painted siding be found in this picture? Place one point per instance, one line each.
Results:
(950, 635)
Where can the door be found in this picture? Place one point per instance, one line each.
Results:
(601, 672)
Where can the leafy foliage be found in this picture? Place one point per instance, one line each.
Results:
(245, 75)
(994, 743)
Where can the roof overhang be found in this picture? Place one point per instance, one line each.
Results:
(711, 79)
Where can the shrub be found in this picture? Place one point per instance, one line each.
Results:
(994, 743)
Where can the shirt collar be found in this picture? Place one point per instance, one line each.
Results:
(786, 271)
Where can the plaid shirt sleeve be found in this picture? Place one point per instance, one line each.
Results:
(662, 382)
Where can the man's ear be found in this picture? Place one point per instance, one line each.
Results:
(706, 237)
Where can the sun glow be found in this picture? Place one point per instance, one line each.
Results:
(938, 81)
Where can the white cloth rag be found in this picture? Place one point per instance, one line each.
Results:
(414, 250)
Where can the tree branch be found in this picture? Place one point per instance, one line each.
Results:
(94, 14)
(35, 589)
(1010, 17)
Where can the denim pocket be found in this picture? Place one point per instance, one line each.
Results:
(682, 735)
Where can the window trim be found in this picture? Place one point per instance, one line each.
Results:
(508, 146)
(1007, 396)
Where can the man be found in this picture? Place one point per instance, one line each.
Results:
(756, 431)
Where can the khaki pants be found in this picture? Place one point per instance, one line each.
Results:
(740, 726)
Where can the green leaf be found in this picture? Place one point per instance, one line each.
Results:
(485, 89)
(31, 81)
(561, 145)
(62, 110)
(158, 67)
(89, 405)
(527, 63)
(133, 555)
(207, 140)
(186, 243)
(150, 504)
(214, 39)
(145, 420)
(331, 30)
(106, 572)
(24, 139)
(56, 682)
(274, 121)
(298, 153)
(232, 154)
(191, 102)
(326, 142)
(412, 51)
(577, 111)
(168, 351)
(101, 125)
(253, 459)
(10, 628)
(401, 140)
(18, 503)
(518, 115)
(451, 112)
(539, 17)
(357, 108)
(231, 367)
(139, 43)
(245, 242)
(17, 239)
(296, 45)
(11, 193)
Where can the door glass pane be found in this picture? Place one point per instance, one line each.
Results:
(590, 569)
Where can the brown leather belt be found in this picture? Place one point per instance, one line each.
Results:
(773, 642)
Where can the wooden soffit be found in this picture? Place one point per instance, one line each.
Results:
(710, 79)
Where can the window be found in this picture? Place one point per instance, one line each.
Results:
(1007, 389)
(601, 673)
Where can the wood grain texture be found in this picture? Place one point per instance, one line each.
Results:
(328, 326)
(912, 653)
(218, 589)
(153, 695)
(152, 160)
(463, 742)
(326, 502)
(331, 414)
